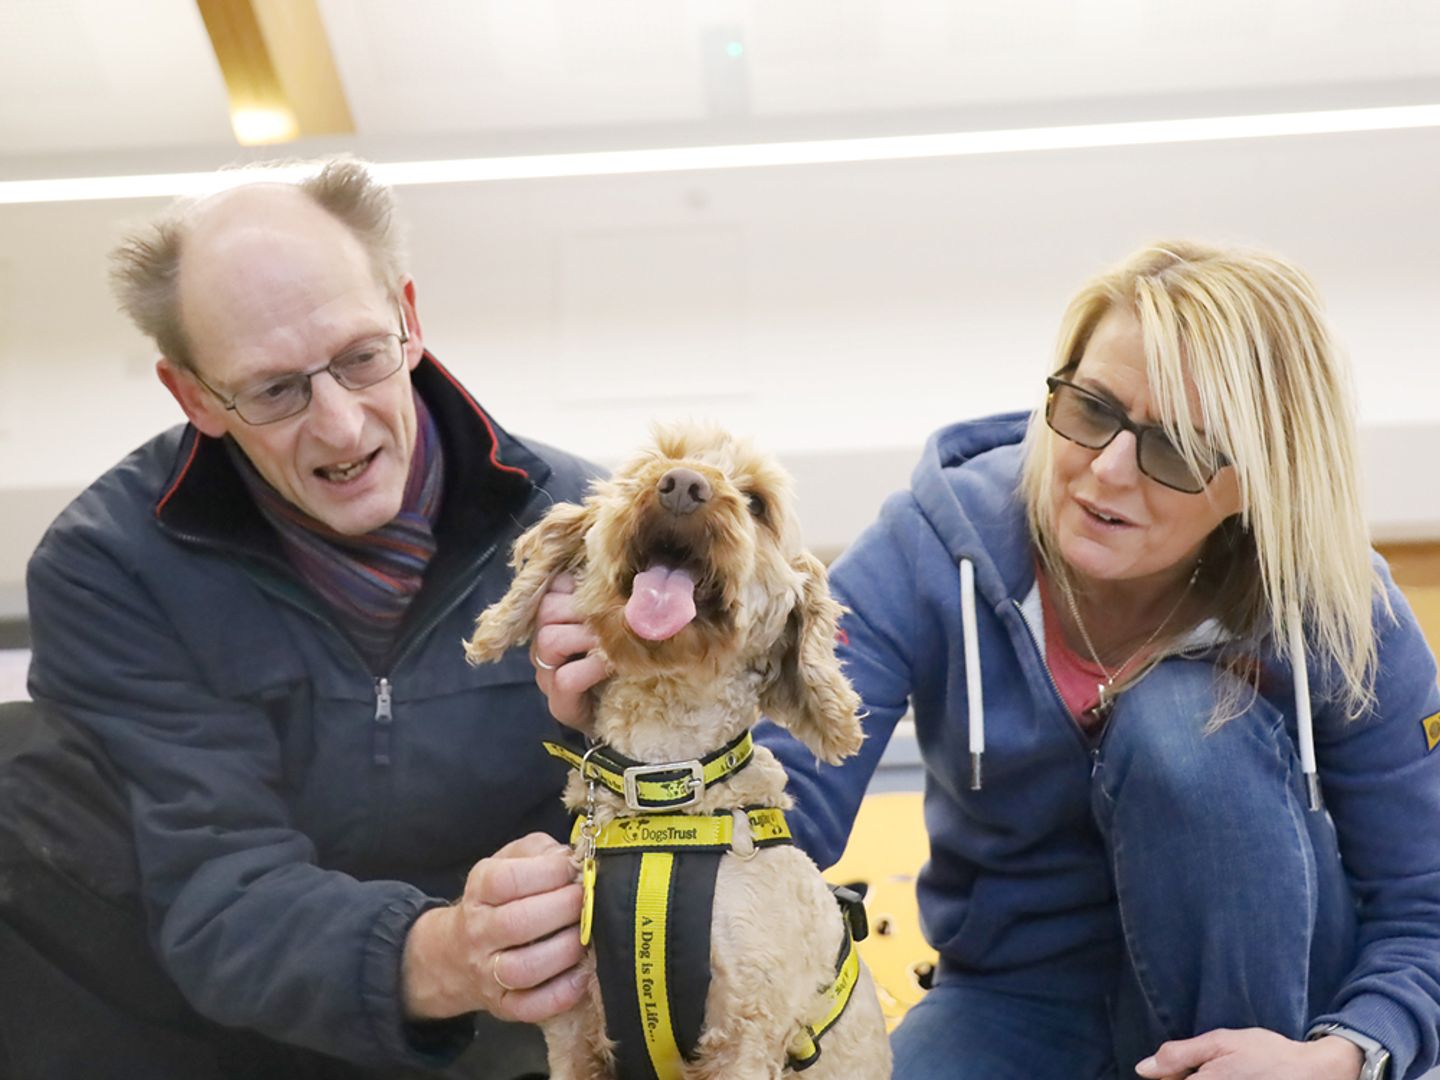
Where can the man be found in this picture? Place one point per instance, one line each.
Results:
(257, 618)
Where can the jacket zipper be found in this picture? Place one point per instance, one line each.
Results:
(380, 745)
(384, 717)
(382, 725)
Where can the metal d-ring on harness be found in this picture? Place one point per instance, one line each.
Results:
(649, 888)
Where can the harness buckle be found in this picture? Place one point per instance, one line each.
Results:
(635, 773)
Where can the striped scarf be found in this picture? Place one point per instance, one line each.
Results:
(368, 580)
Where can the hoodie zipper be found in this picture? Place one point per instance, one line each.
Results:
(1091, 747)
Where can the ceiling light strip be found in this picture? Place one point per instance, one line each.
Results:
(763, 155)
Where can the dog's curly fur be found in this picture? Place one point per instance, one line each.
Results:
(763, 639)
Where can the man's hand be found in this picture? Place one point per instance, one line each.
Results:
(510, 946)
(1253, 1054)
(566, 656)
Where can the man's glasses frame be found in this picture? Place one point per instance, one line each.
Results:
(1150, 440)
(344, 369)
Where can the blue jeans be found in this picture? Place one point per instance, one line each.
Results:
(1233, 905)
(965, 1030)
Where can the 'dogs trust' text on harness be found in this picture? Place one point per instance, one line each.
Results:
(649, 888)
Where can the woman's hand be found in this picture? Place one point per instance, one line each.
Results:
(1253, 1054)
(567, 660)
(511, 945)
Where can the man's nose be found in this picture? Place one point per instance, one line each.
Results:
(335, 415)
(1117, 464)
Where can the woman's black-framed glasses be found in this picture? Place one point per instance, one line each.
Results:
(360, 366)
(1092, 422)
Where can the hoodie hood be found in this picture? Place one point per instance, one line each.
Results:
(965, 486)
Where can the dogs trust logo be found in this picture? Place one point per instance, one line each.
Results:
(648, 831)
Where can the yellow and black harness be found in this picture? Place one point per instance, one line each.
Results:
(649, 885)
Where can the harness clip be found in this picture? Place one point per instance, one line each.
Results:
(695, 782)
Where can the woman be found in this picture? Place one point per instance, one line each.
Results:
(1180, 641)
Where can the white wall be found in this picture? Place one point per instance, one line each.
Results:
(838, 313)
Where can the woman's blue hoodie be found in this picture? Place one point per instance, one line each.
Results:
(1018, 887)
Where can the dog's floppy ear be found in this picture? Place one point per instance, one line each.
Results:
(807, 692)
(554, 544)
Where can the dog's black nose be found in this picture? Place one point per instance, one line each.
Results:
(683, 491)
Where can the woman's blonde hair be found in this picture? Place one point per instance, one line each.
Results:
(1243, 331)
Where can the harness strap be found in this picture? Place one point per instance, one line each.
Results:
(690, 832)
(652, 983)
(668, 785)
(652, 956)
(804, 1049)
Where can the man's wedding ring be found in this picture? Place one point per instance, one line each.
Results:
(495, 972)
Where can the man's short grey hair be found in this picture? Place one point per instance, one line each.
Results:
(145, 265)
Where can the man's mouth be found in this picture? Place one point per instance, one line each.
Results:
(345, 471)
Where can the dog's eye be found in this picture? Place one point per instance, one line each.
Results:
(757, 505)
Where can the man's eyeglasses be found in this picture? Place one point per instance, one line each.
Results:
(1092, 422)
(282, 397)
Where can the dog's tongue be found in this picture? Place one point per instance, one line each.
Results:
(662, 603)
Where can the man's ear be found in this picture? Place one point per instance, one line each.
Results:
(199, 405)
(415, 348)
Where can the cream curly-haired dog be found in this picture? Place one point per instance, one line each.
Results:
(689, 568)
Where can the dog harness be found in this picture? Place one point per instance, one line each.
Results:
(649, 891)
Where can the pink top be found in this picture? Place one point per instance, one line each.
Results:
(1077, 679)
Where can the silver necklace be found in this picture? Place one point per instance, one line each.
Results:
(1106, 689)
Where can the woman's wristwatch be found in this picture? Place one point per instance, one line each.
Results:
(1377, 1058)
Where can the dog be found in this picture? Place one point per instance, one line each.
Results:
(689, 569)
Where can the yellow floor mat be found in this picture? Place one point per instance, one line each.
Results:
(886, 850)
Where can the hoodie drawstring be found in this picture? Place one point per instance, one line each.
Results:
(972, 673)
(1304, 724)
